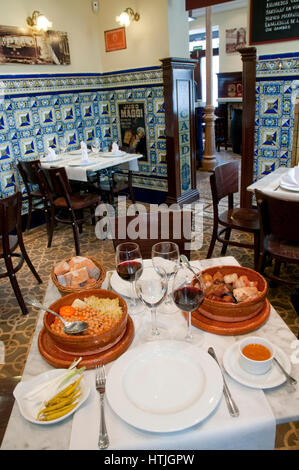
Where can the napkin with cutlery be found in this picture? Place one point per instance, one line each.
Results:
(84, 152)
(291, 178)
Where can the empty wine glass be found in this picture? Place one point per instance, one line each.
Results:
(151, 288)
(166, 255)
(128, 260)
(96, 145)
(188, 297)
(63, 145)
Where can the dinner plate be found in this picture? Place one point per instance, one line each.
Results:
(272, 378)
(30, 408)
(289, 187)
(110, 154)
(81, 164)
(44, 160)
(164, 386)
(77, 152)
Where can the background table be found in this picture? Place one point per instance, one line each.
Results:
(270, 185)
(21, 434)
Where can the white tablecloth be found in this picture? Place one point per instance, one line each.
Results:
(253, 429)
(270, 184)
(97, 163)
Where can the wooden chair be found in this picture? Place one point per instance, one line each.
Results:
(10, 239)
(150, 229)
(225, 183)
(67, 207)
(36, 198)
(279, 234)
(118, 182)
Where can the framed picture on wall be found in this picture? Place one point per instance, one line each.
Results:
(115, 39)
(235, 38)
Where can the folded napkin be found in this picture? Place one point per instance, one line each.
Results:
(115, 149)
(51, 155)
(291, 178)
(84, 152)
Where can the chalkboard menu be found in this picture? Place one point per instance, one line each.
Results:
(274, 20)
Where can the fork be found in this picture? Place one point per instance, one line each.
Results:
(100, 378)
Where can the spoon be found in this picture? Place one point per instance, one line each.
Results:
(70, 328)
(186, 263)
(290, 380)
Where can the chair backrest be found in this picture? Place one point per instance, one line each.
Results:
(224, 181)
(28, 170)
(10, 217)
(278, 217)
(58, 182)
(146, 229)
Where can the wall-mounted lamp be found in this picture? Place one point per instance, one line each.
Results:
(128, 15)
(38, 21)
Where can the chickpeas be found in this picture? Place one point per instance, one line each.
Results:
(98, 322)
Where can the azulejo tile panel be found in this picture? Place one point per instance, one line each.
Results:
(37, 110)
(277, 87)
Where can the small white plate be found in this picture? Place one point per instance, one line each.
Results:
(81, 164)
(77, 152)
(290, 187)
(164, 386)
(272, 378)
(110, 154)
(29, 408)
(44, 160)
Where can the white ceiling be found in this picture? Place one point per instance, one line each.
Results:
(221, 7)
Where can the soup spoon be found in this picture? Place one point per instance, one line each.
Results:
(70, 328)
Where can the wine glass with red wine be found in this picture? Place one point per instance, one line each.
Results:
(187, 297)
(128, 261)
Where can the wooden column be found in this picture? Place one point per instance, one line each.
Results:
(248, 118)
(178, 81)
(209, 159)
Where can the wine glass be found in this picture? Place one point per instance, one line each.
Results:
(96, 145)
(166, 255)
(128, 260)
(188, 297)
(63, 145)
(151, 288)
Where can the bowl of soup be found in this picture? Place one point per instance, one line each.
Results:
(256, 355)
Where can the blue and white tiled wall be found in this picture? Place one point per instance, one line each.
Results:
(36, 110)
(277, 86)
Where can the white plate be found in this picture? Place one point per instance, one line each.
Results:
(110, 154)
(30, 408)
(77, 152)
(164, 386)
(289, 187)
(271, 379)
(44, 160)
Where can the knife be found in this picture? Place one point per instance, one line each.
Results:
(232, 407)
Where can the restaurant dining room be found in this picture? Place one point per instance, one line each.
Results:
(149, 227)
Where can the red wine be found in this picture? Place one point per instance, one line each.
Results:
(188, 298)
(127, 270)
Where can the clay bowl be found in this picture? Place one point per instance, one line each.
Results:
(229, 312)
(85, 344)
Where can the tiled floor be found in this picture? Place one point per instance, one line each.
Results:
(16, 330)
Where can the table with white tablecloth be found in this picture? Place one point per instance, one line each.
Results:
(260, 409)
(270, 184)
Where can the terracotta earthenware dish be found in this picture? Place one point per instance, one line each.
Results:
(85, 344)
(235, 312)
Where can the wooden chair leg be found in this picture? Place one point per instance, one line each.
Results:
(51, 228)
(29, 213)
(213, 241)
(226, 237)
(76, 238)
(15, 284)
(256, 249)
(28, 261)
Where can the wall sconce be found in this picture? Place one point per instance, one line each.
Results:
(38, 21)
(128, 15)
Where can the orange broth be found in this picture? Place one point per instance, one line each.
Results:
(256, 352)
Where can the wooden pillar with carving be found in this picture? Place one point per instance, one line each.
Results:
(248, 55)
(179, 89)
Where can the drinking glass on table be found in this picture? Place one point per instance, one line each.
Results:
(188, 296)
(151, 288)
(128, 260)
(63, 145)
(166, 255)
(96, 145)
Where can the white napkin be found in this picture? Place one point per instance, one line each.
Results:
(291, 178)
(84, 152)
(51, 155)
(115, 149)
